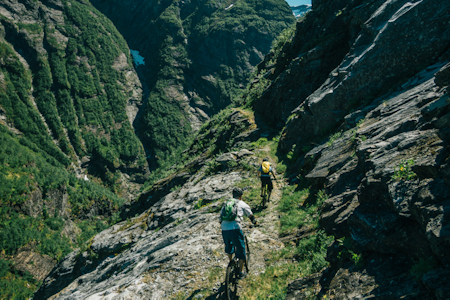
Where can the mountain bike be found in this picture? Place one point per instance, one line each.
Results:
(265, 195)
(232, 275)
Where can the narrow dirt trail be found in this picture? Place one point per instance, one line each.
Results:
(264, 238)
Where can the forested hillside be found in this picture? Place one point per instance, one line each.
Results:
(199, 55)
(69, 155)
(352, 109)
(69, 97)
(69, 73)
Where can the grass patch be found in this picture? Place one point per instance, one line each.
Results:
(424, 265)
(348, 252)
(303, 260)
(404, 171)
(214, 274)
(334, 137)
(293, 215)
(295, 260)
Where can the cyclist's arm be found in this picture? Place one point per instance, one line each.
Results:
(220, 218)
(248, 212)
(273, 174)
(246, 208)
(252, 218)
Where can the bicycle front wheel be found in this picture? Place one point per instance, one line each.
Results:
(231, 280)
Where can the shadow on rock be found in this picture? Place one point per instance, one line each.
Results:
(219, 294)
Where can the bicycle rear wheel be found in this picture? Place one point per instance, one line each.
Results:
(231, 280)
(247, 254)
(265, 196)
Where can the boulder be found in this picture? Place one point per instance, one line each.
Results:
(225, 158)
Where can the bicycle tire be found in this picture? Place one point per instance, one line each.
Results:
(231, 280)
(247, 255)
(264, 197)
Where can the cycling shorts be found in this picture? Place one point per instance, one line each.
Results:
(234, 242)
(265, 180)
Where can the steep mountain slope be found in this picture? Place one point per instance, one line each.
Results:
(174, 244)
(382, 98)
(198, 57)
(358, 97)
(71, 72)
(68, 96)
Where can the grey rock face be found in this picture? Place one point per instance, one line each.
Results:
(388, 186)
(377, 42)
(225, 158)
(71, 230)
(170, 246)
(212, 52)
(377, 59)
(385, 170)
(37, 264)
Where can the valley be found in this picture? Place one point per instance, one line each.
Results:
(114, 171)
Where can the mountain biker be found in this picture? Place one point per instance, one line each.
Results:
(265, 178)
(232, 234)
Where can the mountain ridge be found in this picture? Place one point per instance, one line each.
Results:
(351, 106)
(198, 60)
(364, 211)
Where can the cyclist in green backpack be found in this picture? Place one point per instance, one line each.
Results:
(231, 215)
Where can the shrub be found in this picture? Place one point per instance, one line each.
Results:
(424, 265)
(334, 137)
(404, 171)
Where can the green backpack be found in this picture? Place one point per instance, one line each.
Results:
(229, 211)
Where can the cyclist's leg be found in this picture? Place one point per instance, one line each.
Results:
(241, 265)
(228, 241)
(239, 242)
(266, 185)
(262, 186)
(269, 188)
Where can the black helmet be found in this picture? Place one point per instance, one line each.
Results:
(266, 159)
(237, 192)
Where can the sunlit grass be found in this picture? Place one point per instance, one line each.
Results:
(294, 261)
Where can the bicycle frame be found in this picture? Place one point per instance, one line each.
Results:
(232, 273)
(265, 195)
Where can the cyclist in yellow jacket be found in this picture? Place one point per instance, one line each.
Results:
(264, 172)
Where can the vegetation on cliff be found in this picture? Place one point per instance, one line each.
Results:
(63, 98)
(359, 139)
(199, 55)
(29, 215)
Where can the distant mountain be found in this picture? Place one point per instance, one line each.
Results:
(198, 57)
(300, 10)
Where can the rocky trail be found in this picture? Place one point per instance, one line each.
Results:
(174, 249)
(263, 238)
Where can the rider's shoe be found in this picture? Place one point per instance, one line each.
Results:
(242, 275)
(261, 195)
